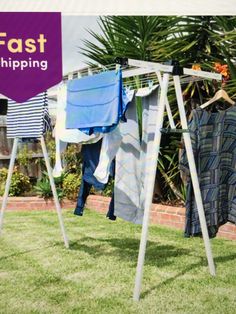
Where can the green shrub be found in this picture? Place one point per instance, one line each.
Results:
(20, 183)
(24, 156)
(71, 184)
(73, 159)
(67, 186)
(43, 187)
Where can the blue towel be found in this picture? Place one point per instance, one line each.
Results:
(96, 103)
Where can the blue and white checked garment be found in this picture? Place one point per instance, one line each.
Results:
(131, 158)
(95, 104)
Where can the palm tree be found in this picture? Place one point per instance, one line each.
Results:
(129, 36)
(188, 39)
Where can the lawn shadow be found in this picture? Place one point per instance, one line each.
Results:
(226, 258)
(127, 249)
(87, 245)
(27, 251)
(171, 279)
(203, 262)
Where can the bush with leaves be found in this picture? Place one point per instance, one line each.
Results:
(73, 159)
(71, 184)
(43, 187)
(20, 183)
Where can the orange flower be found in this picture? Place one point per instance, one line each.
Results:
(196, 66)
(222, 69)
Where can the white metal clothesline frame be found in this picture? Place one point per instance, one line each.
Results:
(52, 183)
(145, 67)
(152, 159)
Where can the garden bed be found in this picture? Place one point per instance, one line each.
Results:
(165, 215)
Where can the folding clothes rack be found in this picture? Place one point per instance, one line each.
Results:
(145, 67)
(151, 161)
(52, 183)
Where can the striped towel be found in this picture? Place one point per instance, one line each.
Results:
(29, 119)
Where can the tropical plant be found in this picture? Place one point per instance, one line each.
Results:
(43, 187)
(199, 41)
(128, 36)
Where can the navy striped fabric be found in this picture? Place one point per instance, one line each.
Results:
(29, 119)
(213, 136)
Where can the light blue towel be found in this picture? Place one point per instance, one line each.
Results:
(95, 103)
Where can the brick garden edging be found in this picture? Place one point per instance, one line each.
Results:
(165, 215)
(34, 203)
(160, 214)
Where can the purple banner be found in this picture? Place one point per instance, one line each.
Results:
(30, 53)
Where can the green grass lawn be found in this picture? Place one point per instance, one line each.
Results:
(96, 275)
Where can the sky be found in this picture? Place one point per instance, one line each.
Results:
(73, 32)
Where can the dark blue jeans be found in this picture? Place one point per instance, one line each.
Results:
(90, 154)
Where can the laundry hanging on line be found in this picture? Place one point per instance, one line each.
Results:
(90, 154)
(60, 131)
(29, 119)
(124, 144)
(110, 145)
(122, 141)
(214, 146)
(96, 104)
(63, 135)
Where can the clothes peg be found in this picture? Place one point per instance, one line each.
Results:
(90, 72)
(150, 84)
(117, 68)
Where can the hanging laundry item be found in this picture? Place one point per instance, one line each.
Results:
(127, 177)
(130, 160)
(64, 136)
(84, 191)
(124, 144)
(110, 145)
(90, 154)
(29, 119)
(58, 167)
(111, 209)
(149, 117)
(95, 104)
(213, 138)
